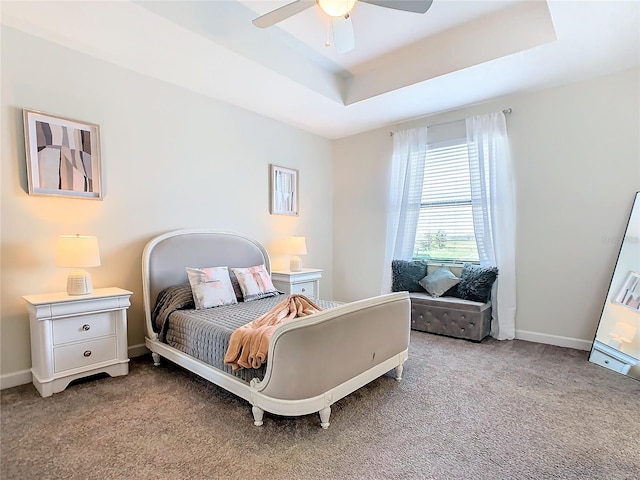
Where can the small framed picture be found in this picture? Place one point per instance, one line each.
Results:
(63, 156)
(283, 191)
(629, 294)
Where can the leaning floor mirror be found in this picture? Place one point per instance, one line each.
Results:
(617, 341)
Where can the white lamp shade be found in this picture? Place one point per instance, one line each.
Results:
(297, 246)
(77, 251)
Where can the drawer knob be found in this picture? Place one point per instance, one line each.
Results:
(87, 353)
(607, 362)
(86, 327)
(304, 289)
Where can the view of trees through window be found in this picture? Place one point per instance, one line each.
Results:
(445, 226)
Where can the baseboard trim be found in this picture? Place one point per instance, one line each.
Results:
(556, 340)
(15, 379)
(138, 350)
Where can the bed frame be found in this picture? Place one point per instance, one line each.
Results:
(313, 361)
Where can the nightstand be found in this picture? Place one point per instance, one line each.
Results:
(607, 356)
(306, 282)
(74, 336)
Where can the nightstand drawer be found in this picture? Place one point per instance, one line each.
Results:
(82, 354)
(605, 360)
(305, 282)
(305, 288)
(84, 327)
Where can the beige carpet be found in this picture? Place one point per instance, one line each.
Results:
(496, 410)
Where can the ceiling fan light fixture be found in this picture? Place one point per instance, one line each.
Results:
(336, 8)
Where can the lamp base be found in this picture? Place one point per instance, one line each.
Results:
(296, 264)
(79, 283)
(615, 343)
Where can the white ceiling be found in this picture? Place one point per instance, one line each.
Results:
(404, 65)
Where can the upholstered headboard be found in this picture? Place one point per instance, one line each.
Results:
(165, 257)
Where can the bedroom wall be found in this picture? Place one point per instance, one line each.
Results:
(172, 159)
(576, 154)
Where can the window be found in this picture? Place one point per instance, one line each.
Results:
(452, 199)
(445, 224)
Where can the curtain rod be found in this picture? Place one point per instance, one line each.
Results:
(506, 111)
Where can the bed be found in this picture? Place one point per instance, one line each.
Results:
(313, 361)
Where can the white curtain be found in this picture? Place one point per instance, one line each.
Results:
(405, 193)
(494, 218)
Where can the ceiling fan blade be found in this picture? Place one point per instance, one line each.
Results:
(343, 37)
(415, 6)
(282, 13)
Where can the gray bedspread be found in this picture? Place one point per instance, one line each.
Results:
(204, 334)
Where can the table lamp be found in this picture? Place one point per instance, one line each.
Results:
(78, 252)
(621, 333)
(296, 246)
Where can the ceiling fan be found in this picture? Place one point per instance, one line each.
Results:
(339, 11)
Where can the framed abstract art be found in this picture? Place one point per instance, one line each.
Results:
(629, 295)
(283, 191)
(63, 156)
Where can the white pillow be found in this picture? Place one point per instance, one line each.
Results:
(255, 282)
(211, 287)
(438, 282)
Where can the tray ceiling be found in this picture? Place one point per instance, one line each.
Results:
(404, 64)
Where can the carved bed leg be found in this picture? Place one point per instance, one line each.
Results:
(398, 371)
(324, 417)
(257, 415)
(156, 359)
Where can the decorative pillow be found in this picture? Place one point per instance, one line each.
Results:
(211, 287)
(255, 283)
(438, 282)
(452, 292)
(405, 275)
(236, 286)
(476, 282)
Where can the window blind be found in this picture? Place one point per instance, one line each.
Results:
(445, 225)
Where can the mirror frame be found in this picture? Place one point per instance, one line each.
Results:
(621, 316)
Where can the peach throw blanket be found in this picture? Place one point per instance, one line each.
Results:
(249, 343)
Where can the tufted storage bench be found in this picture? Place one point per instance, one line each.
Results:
(450, 316)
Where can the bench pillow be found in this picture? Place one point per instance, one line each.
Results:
(405, 275)
(476, 282)
(439, 282)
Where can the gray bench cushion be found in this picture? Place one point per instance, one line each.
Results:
(453, 317)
